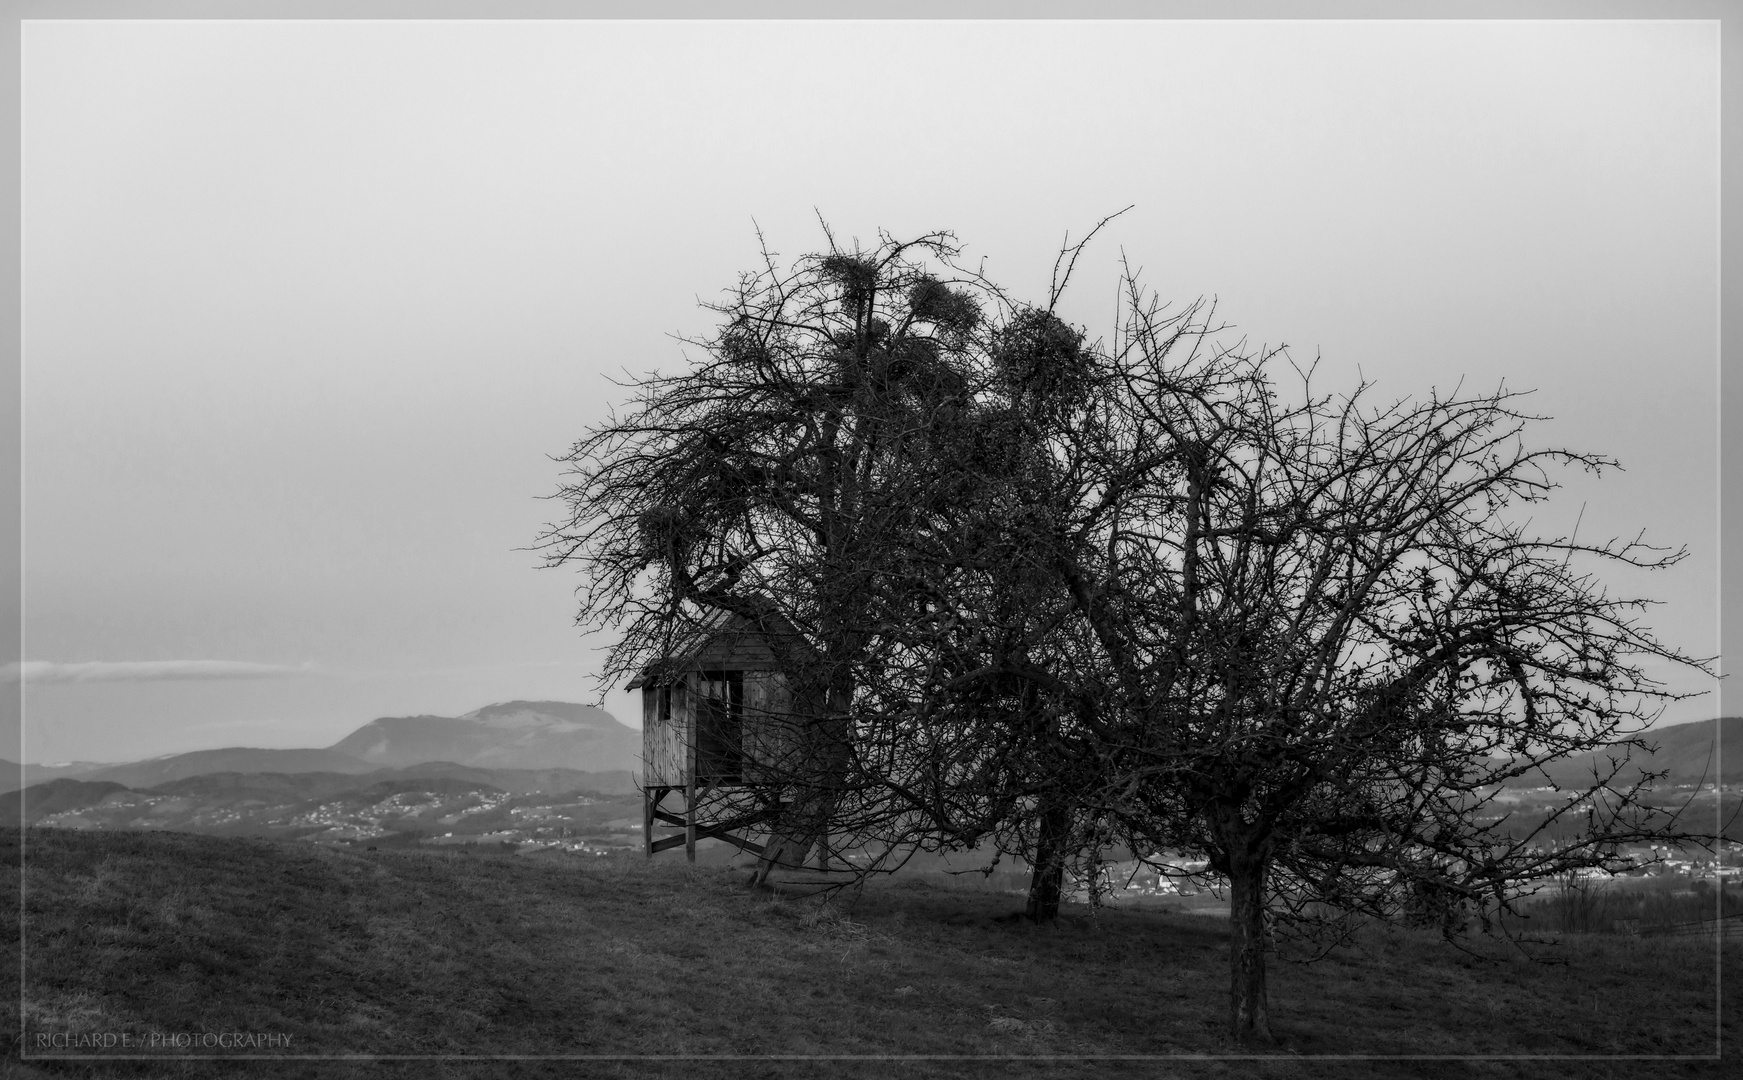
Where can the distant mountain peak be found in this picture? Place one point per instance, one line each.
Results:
(554, 715)
(506, 735)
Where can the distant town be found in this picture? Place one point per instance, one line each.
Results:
(567, 821)
(426, 782)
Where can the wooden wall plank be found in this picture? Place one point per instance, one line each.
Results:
(663, 737)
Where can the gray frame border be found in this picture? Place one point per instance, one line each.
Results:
(1730, 398)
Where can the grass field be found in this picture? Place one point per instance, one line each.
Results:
(407, 952)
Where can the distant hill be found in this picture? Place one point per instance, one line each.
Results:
(321, 784)
(1685, 752)
(263, 787)
(235, 759)
(519, 781)
(433, 777)
(566, 747)
(513, 735)
(53, 797)
(430, 785)
(10, 772)
(1689, 751)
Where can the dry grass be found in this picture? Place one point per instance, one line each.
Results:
(422, 953)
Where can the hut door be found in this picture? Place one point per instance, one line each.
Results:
(720, 728)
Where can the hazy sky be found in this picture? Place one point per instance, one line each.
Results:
(308, 305)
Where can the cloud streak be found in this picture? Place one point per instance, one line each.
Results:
(47, 671)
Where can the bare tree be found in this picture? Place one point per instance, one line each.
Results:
(1329, 639)
(848, 460)
(775, 481)
(1047, 594)
(975, 705)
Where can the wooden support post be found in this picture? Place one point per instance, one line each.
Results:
(690, 821)
(710, 832)
(693, 708)
(650, 804)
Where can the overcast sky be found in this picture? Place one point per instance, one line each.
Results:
(308, 305)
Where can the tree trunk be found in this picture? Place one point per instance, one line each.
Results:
(801, 827)
(785, 849)
(1248, 1019)
(819, 773)
(1048, 881)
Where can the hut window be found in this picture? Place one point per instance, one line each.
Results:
(720, 728)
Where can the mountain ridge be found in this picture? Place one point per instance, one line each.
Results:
(1686, 753)
(557, 737)
(518, 734)
(507, 735)
(237, 759)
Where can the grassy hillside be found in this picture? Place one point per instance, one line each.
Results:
(408, 952)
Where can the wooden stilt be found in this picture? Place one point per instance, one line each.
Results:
(690, 821)
(690, 785)
(710, 832)
(650, 805)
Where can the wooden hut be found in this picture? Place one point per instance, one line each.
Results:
(716, 714)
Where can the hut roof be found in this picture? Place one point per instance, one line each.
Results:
(720, 642)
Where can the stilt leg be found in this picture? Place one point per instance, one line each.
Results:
(650, 802)
(690, 821)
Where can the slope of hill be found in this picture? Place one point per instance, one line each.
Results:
(235, 759)
(1687, 753)
(521, 781)
(1690, 751)
(53, 797)
(11, 772)
(512, 735)
(431, 774)
(264, 787)
(546, 745)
